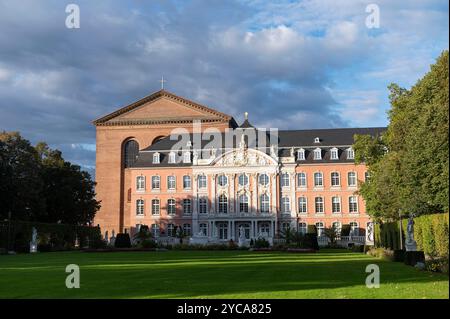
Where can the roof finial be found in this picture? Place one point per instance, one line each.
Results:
(246, 115)
(162, 82)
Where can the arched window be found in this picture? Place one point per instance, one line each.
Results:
(335, 179)
(351, 179)
(264, 203)
(337, 228)
(263, 179)
(203, 205)
(302, 228)
(140, 207)
(243, 203)
(319, 205)
(155, 230)
(187, 206)
(302, 206)
(171, 182)
(155, 206)
(186, 182)
(285, 180)
(336, 204)
(171, 230)
(222, 180)
(243, 180)
(156, 158)
(301, 179)
(285, 204)
(223, 204)
(171, 206)
(140, 183)
(201, 181)
(318, 179)
(320, 227)
(353, 204)
(130, 153)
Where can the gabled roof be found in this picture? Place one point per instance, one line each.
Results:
(210, 115)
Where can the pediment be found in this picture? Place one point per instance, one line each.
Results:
(162, 107)
(244, 157)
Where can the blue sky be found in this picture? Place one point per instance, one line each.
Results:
(290, 64)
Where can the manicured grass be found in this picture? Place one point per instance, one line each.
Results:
(213, 274)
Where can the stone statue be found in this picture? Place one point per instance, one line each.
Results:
(241, 236)
(33, 242)
(370, 232)
(213, 153)
(410, 243)
(292, 152)
(272, 151)
(106, 236)
(195, 156)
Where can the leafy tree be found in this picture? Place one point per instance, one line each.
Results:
(408, 165)
(20, 182)
(332, 234)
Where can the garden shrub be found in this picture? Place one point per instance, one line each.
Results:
(261, 243)
(122, 241)
(148, 243)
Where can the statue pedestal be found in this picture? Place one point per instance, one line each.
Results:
(411, 246)
(198, 240)
(33, 247)
(241, 242)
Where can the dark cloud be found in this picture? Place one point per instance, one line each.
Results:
(235, 56)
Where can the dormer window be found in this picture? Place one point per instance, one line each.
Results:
(156, 158)
(317, 154)
(350, 153)
(334, 154)
(187, 157)
(172, 158)
(316, 140)
(301, 154)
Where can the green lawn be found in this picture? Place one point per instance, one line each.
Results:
(213, 274)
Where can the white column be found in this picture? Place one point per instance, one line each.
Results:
(254, 199)
(213, 193)
(194, 208)
(273, 201)
(232, 193)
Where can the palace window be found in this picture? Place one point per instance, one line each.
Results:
(203, 205)
(353, 204)
(320, 227)
(187, 157)
(337, 228)
(203, 227)
(301, 179)
(354, 229)
(264, 179)
(171, 230)
(155, 230)
(334, 155)
(223, 204)
(301, 154)
(318, 179)
(171, 206)
(223, 230)
(336, 204)
(140, 207)
(140, 183)
(171, 182)
(187, 206)
(201, 181)
(366, 176)
(155, 206)
(222, 180)
(186, 182)
(335, 179)
(264, 203)
(156, 158)
(187, 229)
(351, 179)
(172, 158)
(302, 228)
(243, 180)
(350, 153)
(156, 182)
(285, 226)
(317, 154)
(302, 205)
(285, 204)
(319, 205)
(243, 203)
(285, 180)
(130, 153)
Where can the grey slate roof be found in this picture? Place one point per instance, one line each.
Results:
(342, 138)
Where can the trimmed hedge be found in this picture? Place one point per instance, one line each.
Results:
(51, 237)
(431, 233)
